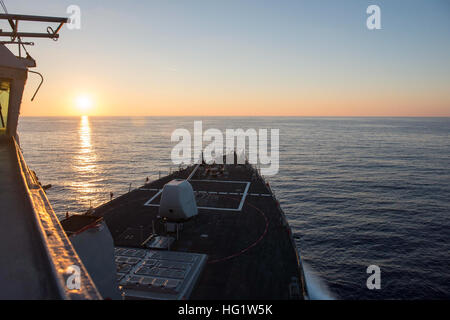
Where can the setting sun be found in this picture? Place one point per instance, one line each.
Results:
(84, 103)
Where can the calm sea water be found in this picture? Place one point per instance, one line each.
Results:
(357, 191)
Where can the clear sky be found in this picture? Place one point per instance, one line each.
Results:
(247, 57)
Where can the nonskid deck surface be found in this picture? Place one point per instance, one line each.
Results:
(239, 226)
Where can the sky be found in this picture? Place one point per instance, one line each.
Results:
(242, 58)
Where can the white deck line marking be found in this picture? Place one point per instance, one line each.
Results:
(193, 172)
(221, 209)
(160, 190)
(207, 208)
(224, 181)
(241, 203)
(152, 198)
(244, 196)
(224, 193)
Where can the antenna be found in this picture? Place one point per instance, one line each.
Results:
(16, 36)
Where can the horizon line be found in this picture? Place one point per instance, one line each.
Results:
(223, 116)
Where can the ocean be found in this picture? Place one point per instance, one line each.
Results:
(356, 191)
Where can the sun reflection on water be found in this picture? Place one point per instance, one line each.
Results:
(85, 163)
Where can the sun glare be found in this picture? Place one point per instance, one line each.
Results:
(84, 103)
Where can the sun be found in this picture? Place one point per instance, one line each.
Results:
(84, 103)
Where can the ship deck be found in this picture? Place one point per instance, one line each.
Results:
(239, 226)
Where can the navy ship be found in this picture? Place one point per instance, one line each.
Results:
(208, 231)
